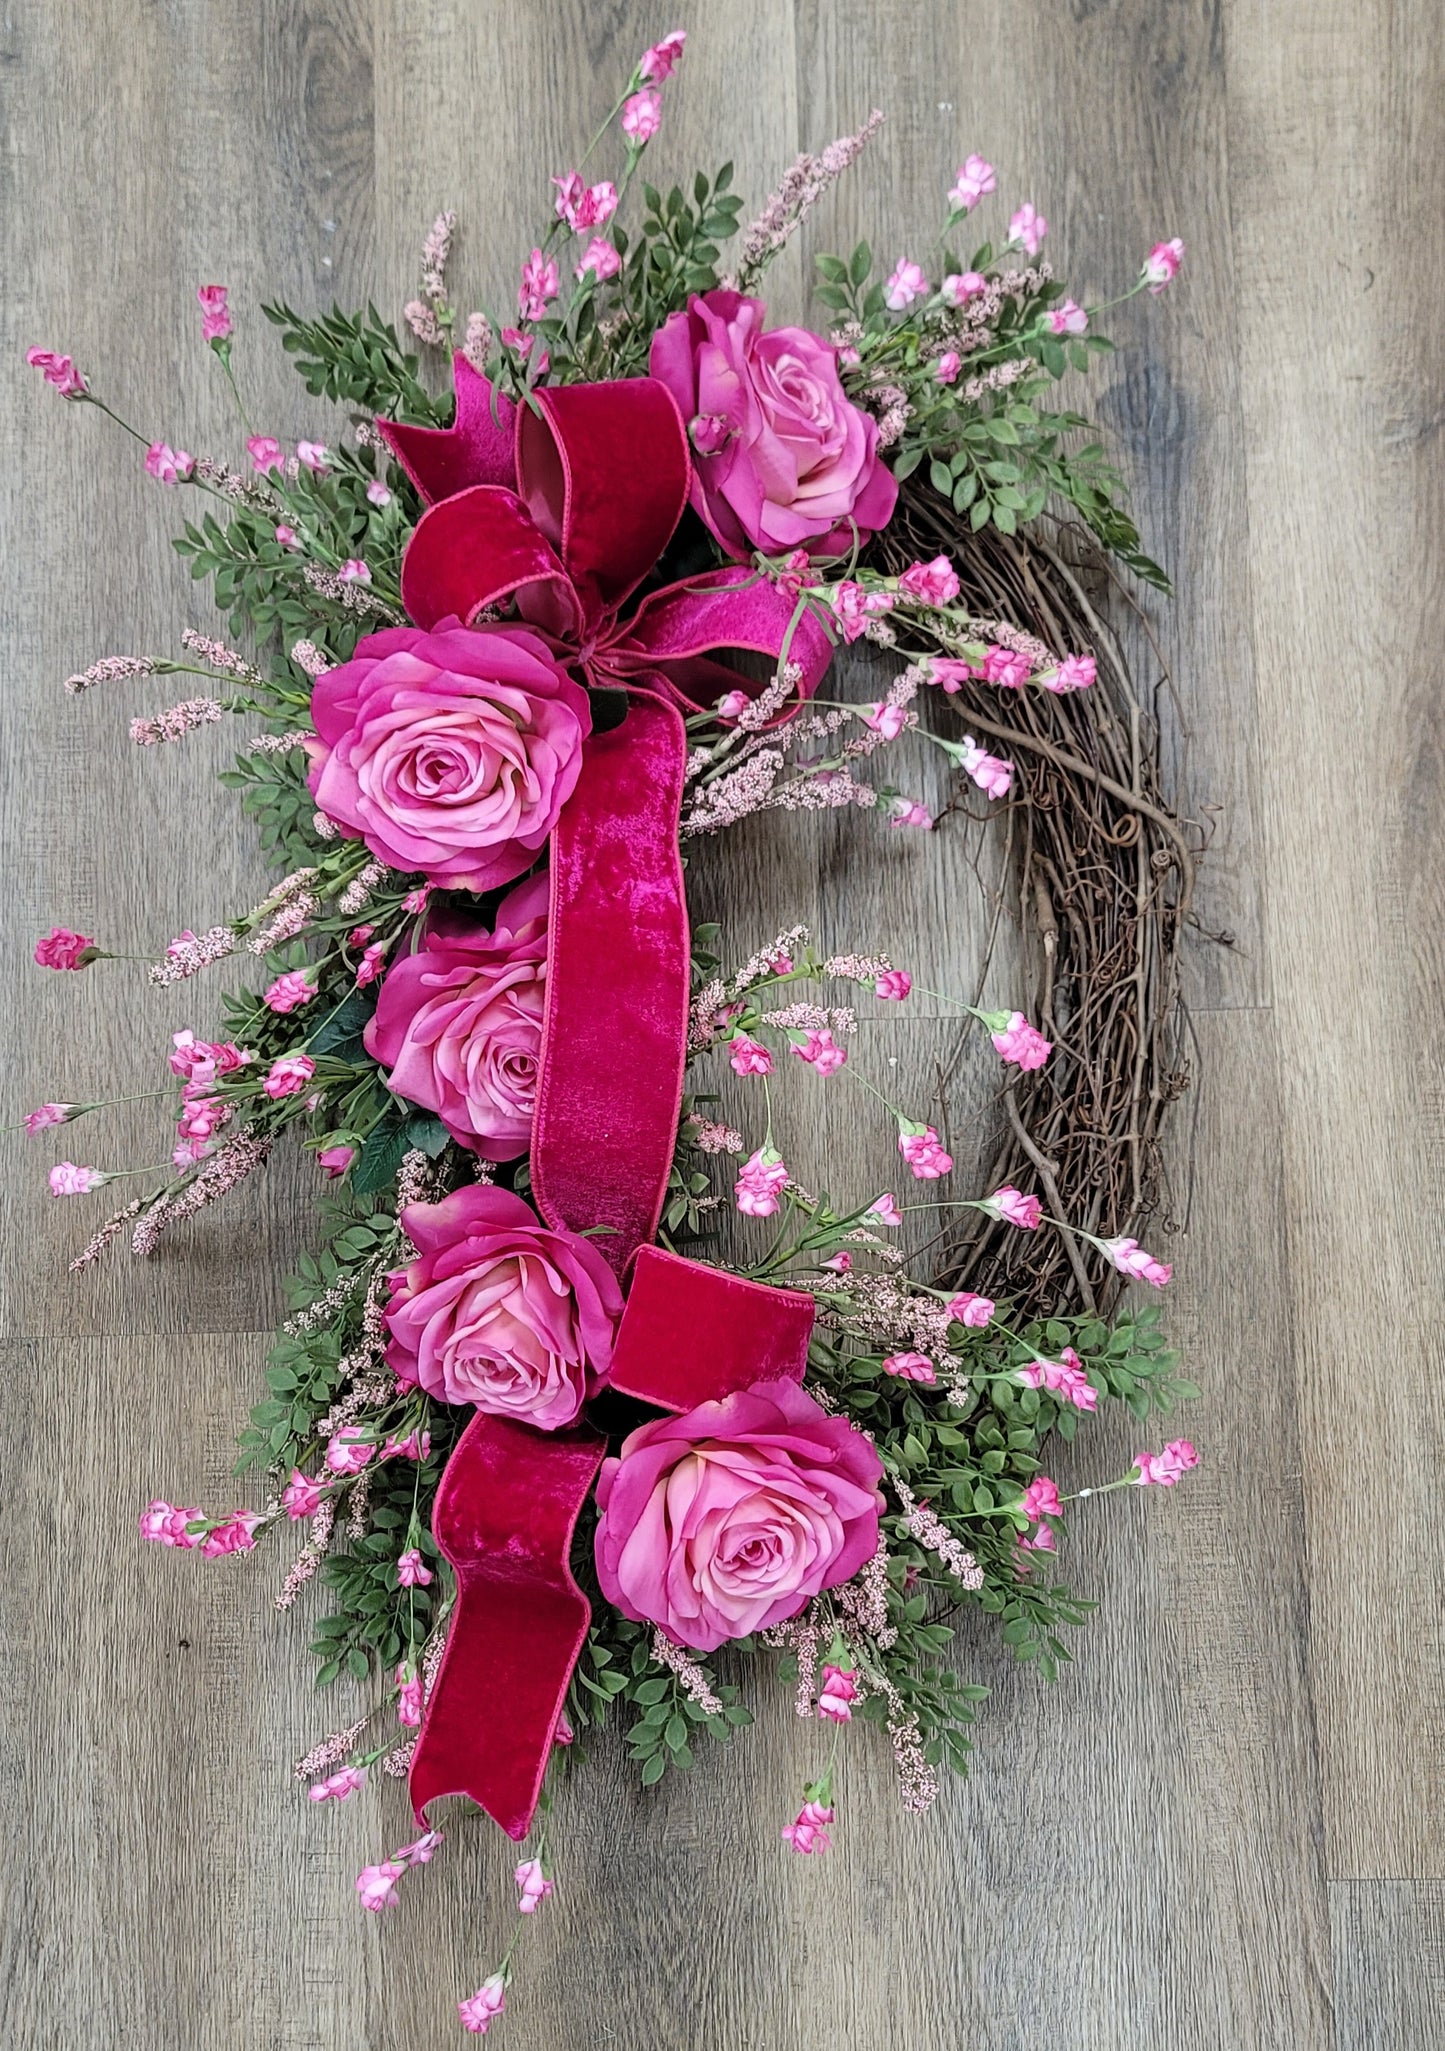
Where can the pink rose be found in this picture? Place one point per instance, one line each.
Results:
(451, 752)
(459, 1024)
(735, 1515)
(499, 1311)
(800, 460)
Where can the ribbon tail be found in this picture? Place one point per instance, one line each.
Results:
(615, 1036)
(504, 1515)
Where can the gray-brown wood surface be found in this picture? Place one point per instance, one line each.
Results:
(1222, 1828)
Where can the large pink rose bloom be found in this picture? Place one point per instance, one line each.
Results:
(783, 459)
(459, 1024)
(451, 752)
(735, 1515)
(499, 1311)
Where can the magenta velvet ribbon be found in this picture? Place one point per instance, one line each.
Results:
(566, 522)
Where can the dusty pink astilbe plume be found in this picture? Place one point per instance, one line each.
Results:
(176, 721)
(111, 670)
(803, 185)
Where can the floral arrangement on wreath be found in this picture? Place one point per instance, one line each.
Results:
(550, 1455)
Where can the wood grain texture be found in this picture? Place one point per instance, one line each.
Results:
(1221, 1828)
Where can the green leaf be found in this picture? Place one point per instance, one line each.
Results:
(654, 1769)
(860, 264)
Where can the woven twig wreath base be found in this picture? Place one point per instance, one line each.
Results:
(1101, 877)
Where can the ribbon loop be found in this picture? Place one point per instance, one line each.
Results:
(478, 448)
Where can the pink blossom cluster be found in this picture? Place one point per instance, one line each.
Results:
(991, 773)
(1065, 1378)
(910, 1367)
(533, 1886)
(541, 281)
(584, 206)
(1130, 1258)
(641, 117)
(1164, 1469)
(60, 948)
(761, 1183)
(69, 1178)
(976, 179)
(1161, 266)
(215, 313)
(820, 1050)
(838, 1694)
(1040, 1499)
(59, 371)
(807, 1832)
(1021, 1044)
(747, 1056)
(168, 465)
(1012, 1207)
(164, 1524)
(481, 2009)
(377, 1885)
(339, 1786)
(922, 1150)
(855, 608)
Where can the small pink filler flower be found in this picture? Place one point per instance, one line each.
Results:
(922, 1150)
(533, 1886)
(1162, 265)
(1018, 1042)
(215, 313)
(62, 949)
(59, 371)
(840, 1691)
(481, 2009)
(642, 117)
(289, 1073)
(1129, 1257)
(760, 1184)
(1012, 1207)
(1164, 1469)
(806, 1833)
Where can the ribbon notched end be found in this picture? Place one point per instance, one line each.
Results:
(505, 1512)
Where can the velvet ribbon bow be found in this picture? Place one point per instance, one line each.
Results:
(563, 508)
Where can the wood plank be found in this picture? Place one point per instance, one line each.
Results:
(1389, 1964)
(1335, 110)
(1114, 122)
(152, 154)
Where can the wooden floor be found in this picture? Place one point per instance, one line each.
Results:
(1222, 1829)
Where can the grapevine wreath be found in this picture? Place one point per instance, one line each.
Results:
(514, 649)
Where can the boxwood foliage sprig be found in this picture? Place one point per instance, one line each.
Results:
(956, 374)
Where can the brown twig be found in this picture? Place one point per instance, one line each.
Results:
(1104, 877)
